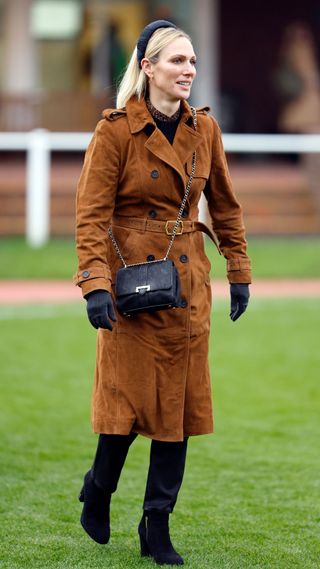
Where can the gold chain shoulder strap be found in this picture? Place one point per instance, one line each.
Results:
(182, 206)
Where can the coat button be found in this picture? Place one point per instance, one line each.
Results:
(183, 303)
(155, 174)
(86, 274)
(184, 258)
(152, 213)
(150, 258)
(185, 213)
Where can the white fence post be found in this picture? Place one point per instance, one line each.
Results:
(38, 188)
(40, 143)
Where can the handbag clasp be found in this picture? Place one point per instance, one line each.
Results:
(142, 289)
(169, 231)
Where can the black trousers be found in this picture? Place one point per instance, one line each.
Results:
(165, 474)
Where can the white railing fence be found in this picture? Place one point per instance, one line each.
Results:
(38, 145)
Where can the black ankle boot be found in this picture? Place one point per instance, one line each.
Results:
(155, 539)
(95, 517)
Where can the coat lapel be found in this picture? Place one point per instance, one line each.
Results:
(161, 147)
(185, 141)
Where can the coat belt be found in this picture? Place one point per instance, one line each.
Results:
(157, 226)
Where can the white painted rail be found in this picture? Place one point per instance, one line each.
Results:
(38, 145)
(278, 143)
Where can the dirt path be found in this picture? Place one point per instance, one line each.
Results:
(44, 292)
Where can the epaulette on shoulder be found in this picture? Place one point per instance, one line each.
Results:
(114, 114)
(203, 110)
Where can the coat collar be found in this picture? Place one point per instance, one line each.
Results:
(139, 116)
(185, 142)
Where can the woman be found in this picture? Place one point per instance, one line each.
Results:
(152, 376)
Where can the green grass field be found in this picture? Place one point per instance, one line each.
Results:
(271, 258)
(251, 493)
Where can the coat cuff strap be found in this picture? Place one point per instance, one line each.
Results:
(95, 284)
(239, 270)
(93, 278)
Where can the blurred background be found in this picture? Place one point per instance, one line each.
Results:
(253, 487)
(258, 70)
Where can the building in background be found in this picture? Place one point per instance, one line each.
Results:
(60, 60)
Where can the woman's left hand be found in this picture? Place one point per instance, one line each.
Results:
(239, 299)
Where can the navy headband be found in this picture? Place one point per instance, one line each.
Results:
(146, 35)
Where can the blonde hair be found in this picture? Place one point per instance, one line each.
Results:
(135, 81)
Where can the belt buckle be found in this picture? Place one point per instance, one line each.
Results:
(179, 229)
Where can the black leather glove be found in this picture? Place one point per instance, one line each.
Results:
(239, 299)
(100, 309)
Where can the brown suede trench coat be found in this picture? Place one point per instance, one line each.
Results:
(152, 374)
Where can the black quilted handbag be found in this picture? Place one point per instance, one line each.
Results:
(147, 287)
(154, 285)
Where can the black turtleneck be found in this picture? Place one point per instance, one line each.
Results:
(168, 128)
(167, 125)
